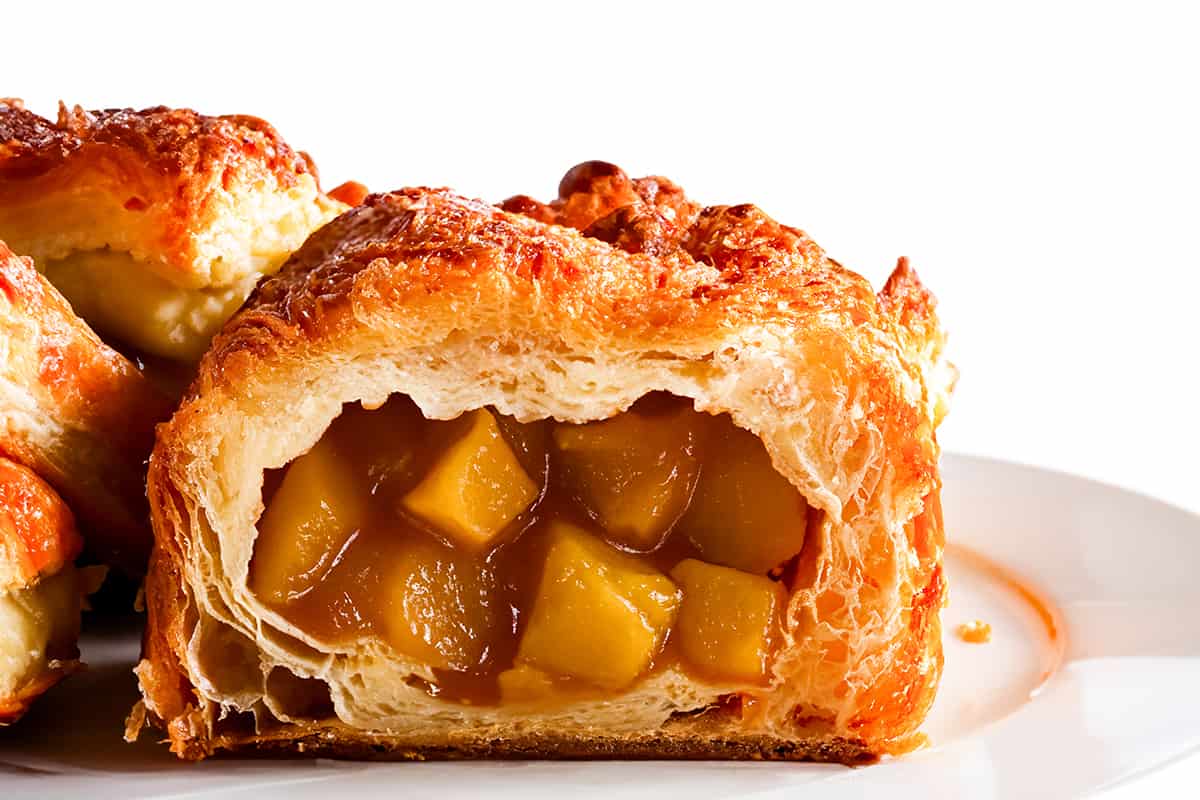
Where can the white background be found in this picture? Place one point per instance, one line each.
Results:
(1039, 164)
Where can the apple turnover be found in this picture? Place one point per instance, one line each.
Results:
(155, 224)
(466, 482)
(41, 592)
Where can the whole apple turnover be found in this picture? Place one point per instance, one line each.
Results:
(154, 223)
(463, 482)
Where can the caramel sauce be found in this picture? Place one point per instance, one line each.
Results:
(1048, 615)
(355, 594)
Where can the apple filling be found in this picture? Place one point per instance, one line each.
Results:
(527, 562)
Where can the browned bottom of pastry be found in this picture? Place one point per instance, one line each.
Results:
(12, 708)
(351, 744)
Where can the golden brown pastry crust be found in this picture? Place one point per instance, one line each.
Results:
(37, 540)
(651, 208)
(37, 530)
(76, 412)
(185, 193)
(680, 740)
(460, 305)
(174, 141)
(14, 706)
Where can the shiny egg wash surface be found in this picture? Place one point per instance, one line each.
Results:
(535, 562)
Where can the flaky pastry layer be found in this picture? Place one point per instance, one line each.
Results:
(460, 305)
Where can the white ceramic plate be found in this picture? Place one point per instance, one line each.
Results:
(1092, 677)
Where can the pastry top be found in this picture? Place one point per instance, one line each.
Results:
(421, 252)
(76, 411)
(594, 190)
(177, 141)
(37, 531)
(426, 263)
(461, 305)
(652, 215)
(203, 201)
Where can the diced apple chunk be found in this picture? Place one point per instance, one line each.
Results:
(475, 489)
(600, 615)
(744, 514)
(530, 443)
(633, 473)
(727, 619)
(440, 607)
(319, 505)
(524, 684)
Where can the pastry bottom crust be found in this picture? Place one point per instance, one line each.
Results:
(348, 743)
(13, 707)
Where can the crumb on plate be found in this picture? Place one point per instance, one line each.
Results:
(975, 632)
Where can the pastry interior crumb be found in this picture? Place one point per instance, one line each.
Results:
(119, 297)
(38, 623)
